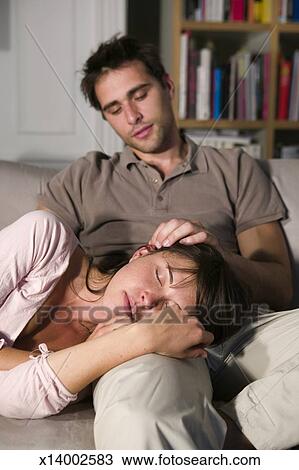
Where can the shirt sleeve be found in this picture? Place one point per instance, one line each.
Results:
(30, 248)
(64, 194)
(258, 201)
(32, 390)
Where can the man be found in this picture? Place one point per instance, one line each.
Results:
(163, 179)
(117, 203)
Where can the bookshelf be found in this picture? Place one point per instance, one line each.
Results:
(228, 37)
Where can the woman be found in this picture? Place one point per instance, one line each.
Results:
(53, 299)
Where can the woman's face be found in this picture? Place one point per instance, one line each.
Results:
(149, 281)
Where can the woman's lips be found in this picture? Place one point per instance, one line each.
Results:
(144, 132)
(127, 304)
(130, 306)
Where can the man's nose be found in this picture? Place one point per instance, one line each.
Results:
(132, 114)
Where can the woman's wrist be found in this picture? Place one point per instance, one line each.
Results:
(143, 337)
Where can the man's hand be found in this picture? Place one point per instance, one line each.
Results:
(184, 231)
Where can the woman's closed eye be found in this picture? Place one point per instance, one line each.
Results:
(158, 277)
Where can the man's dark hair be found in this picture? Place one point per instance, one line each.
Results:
(114, 54)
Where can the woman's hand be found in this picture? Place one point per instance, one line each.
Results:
(109, 326)
(172, 332)
(182, 230)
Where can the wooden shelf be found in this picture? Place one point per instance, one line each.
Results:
(280, 125)
(275, 32)
(222, 124)
(229, 26)
(288, 28)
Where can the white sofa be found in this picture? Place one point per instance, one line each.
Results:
(73, 428)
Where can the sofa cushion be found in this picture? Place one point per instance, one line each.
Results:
(19, 186)
(285, 175)
(72, 428)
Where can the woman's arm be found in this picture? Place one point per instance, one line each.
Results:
(35, 388)
(80, 365)
(12, 357)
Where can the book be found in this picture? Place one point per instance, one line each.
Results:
(259, 86)
(223, 140)
(252, 115)
(283, 11)
(294, 92)
(198, 91)
(250, 11)
(218, 10)
(240, 86)
(248, 98)
(232, 87)
(285, 67)
(191, 85)
(225, 90)
(289, 151)
(257, 11)
(217, 92)
(295, 16)
(237, 10)
(183, 75)
(190, 6)
(198, 13)
(266, 10)
(203, 106)
(266, 81)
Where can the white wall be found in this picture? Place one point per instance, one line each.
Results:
(43, 44)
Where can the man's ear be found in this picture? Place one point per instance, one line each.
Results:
(142, 251)
(169, 85)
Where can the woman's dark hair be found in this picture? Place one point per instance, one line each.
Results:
(221, 300)
(114, 54)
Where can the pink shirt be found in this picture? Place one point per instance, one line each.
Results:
(35, 251)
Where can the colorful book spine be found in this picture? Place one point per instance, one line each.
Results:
(248, 98)
(250, 11)
(284, 88)
(232, 87)
(183, 75)
(198, 11)
(283, 11)
(266, 11)
(257, 11)
(259, 86)
(252, 114)
(266, 81)
(217, 92)
(240, 87)
(191, 92)
(294, 93)
(237, 12)
(295, 11)
(203, 110)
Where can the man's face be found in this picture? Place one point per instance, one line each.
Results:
(137, 107)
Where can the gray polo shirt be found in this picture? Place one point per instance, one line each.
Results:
(115, 203)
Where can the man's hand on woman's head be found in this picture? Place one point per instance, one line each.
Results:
(182, 230)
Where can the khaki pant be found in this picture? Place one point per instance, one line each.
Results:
(156, 402)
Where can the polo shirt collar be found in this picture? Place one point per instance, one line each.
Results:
(195, 160)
